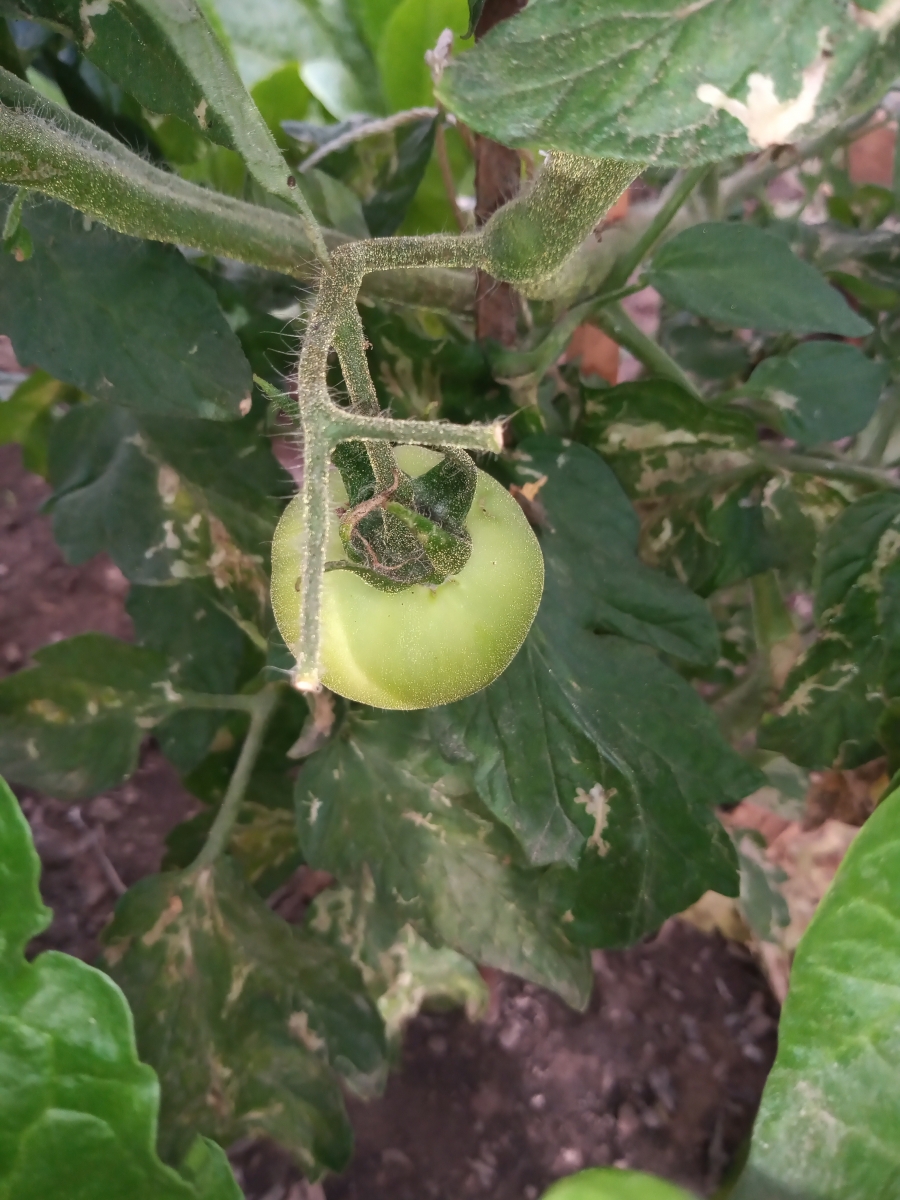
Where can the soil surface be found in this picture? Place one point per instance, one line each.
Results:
(663, 1073)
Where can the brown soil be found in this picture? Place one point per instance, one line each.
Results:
(663, 1073)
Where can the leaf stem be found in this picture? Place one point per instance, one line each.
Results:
(264, 705)
(617, 323)
(679, 190)
(367, 129)
(828, 468)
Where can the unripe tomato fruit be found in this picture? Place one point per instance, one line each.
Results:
(425, 645)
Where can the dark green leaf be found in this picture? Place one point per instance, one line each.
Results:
(77, 1109)
(829, 1125)
(205, 647)
(821, 391)
(434, 859)
(588, 78)
(475, 7)
(125, 320)
(747, 278)
(266, 1014)
(589, 542)
(170, 59)
(73, 724)
(384, 213)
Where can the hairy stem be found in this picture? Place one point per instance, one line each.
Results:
(828, 468)
(264, 705)
(367, 129)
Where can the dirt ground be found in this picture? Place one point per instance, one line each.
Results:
(663, 1073)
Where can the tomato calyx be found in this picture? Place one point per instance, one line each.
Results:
(397, 530)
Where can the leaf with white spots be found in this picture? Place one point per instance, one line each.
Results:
(436, 859)
(268, 1016)
(73, 724)
(735, 75)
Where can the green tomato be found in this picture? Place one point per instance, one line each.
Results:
(425, 645)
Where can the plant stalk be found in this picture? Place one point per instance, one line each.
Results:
(264, 705)
(617, 323)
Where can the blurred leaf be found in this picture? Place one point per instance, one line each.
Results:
(762, 904)
(435, 861)
(72, 726)
(205, 649)
(125, 320)
(748, 278)
(398, 184)
(412, 29)
(266, 1015)
(400, 969)
(829, 1125)
(587, 79)
(170, 59)
(612, 1183)
(77, 1108)
(822, 391)
(333, 202)
(834, 696)
(282, 96)
(707, 352)
(26, 417)
(475, 7)
(657, 437)
(320, 35)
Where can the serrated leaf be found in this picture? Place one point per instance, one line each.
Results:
(267, 1014)
(124, 320)
(613, 1183)
(821, 391)
(835, 695)
(77, 1109)
(747, 278)
(434, 859)
(829, 1124)
(587, 78)
(319, 35)
(589, 543)
(72, 725)
(168, 57)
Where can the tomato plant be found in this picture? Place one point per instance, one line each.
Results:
(453, 577)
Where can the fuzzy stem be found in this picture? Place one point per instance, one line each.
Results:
(828, 468)
(264, 705)
(367, 129)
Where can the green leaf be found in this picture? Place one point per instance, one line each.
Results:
(266, 1016)
(125, 320)
(475, 8)
(319, 35)
(435, 860)
(834, 696)
(821, 391)
(747, 278)
(169, 58)
(384, 213)
(589, 543)
(588, 78)
(611, 1183)
(829, 1124)
(72, 726)
(206, 649)
(412, 29)
(26, 417)
(211, 512)
(77, 1109)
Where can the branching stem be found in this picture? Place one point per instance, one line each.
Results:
(264, 704)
